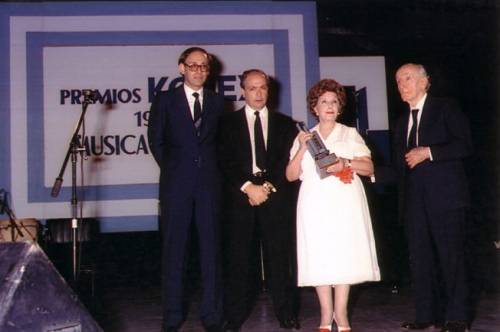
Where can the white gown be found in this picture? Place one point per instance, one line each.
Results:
(335, 243)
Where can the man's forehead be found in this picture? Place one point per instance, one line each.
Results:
(406, 71)
(256, 80)
(256, 84)
(198, 57)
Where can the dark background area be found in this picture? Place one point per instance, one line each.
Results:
(458, 42)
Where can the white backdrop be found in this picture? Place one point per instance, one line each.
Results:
(125, 51)
(368, 73)
(116, 136)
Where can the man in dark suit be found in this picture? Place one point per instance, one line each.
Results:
(253, 151)
(431, 141)
(182, 134)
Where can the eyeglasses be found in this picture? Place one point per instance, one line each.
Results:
(194, 67)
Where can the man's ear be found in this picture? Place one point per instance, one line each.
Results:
(423, 83)
(182, 68)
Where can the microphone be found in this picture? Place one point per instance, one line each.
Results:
(56, 187)
(89, 95)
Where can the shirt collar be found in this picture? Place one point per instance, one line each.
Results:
(251, 111)
(420, 104)
(189, 92)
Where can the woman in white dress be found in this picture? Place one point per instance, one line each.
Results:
(335, 244)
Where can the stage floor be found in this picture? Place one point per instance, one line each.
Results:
(374, 309)
(125, 271)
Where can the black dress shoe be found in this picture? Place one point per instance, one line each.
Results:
(290, 323)
(456, 326)
(213, 328)
(418, 326)
(230, 327)
(170, 329)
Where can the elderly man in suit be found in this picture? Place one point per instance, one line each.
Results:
(431, 141)
(253, 151)
(182, 134)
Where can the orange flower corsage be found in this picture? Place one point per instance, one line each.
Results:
(345, 175)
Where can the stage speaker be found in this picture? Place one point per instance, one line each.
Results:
(23, 230)
(60, 231)
(34, 297)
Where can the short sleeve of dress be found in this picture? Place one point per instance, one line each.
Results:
(357, 144)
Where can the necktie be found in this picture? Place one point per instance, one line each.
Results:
(260, 147)
(412, 139)
(197, 112)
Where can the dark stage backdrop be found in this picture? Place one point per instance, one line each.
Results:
(458, 42)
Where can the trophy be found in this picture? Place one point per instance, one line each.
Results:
(322, 157)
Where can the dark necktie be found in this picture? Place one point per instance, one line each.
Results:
(197, 112)
(412, 139)
(260, 147)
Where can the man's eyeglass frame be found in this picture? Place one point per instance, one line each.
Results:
(193, 67)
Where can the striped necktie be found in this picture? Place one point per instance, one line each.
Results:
(197, 112)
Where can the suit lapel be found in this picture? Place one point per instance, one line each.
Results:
(241, 126)
(184, 110)
(405, 126)
(272, 131)
(206, 114)
(425, 120)
(401, 135)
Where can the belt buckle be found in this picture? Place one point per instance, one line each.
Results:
(259, 174)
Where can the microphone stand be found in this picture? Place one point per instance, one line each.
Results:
(73, 149)
(4, 207)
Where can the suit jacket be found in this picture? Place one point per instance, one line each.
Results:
(235, 152)
(187, 162)
(443, 128)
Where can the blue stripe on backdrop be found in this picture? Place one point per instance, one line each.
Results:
(37, 192)
(5, 182)
(128, 224)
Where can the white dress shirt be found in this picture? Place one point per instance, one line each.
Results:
(419, 106)
(190, 98)
(264, 120)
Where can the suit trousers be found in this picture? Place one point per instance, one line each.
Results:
(437, 255)
(176, 220)
(274, 228)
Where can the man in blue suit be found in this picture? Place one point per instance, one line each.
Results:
(431, 141)
(182, 130)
